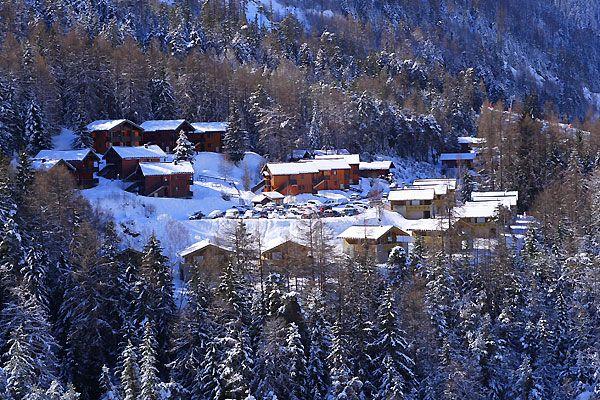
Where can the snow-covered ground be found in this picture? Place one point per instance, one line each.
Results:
(219, 185)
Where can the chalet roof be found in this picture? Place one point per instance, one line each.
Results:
(291, 168)
(203, 127)
(428, 224)
(274, 243)
(301, 153)
(166, 168)
(479, 209)
(163, 125)
(146, 151)
(267, 195)
(324, 152)
(440, 190)
(457, 156)
(67, 155)
(481, 196)
(108, 124)
(470, 140)
(366, 231)
(450, 182)
(46, 165)
(375, 165)
(411, 194)
(349, 158)
(200, 246)
(328, 164)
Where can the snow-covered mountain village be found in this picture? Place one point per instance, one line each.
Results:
(299, 199)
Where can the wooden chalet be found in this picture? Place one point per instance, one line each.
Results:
(83, 164)
(455, 164)
(508, 199)
(208, 136)
(284, 255)
(308, 176)
(114, 132)
(353, 161)
(443, 199)
(374, 241)
(431, 231)
(413, 203)
(469, 143)
(375, 169)
(205, 255)
(162, 179)
(122, 162)
(164, 133)
(268, 197)
(478, 219)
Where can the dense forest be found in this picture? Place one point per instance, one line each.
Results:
(84, 317)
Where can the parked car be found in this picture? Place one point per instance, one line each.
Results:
(232, 213)
(313, 202)
(355, 196)
(331, 213)
(215, 214)
(249, 214)
(197, 215)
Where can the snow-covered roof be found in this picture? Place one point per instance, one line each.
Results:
(411, 194)
(162, 125)
(107, 124)
(46, 165)
(267, 195)
(202, 127)
(374, 165)
(273, 243)
(428, 224)
(300, 153)
(166, 168)
(364, 231)
(470, 140)
(146, 151)
(338, 152)
(450, 182)
(349, 158)
(67, 155)
(307, 166)
(482, 196)
(457, 156)
(291, 168)
(479, 209)
(199, 246)
(440, 190)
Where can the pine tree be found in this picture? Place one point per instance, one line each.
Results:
(9, 119)
(235, 370)
(296, 363)
(235, 139)
(208, 382)
(23, 179)
(467, 187)
(156, 301)
(148, 370)
(184, 149)
(35, 132)
(162, 99)
(319, 377)
(20, 366)
(83, 138)
(396, 368)
(130, 375)
(109, 391)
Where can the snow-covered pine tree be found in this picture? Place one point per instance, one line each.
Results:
(35, 132)
(184, 149)
(23, 179)
(35, 276)
(232, 288)
(235, 369)
(395, 372)
(162, 98)
(296, 363)
(83, 138)
(130, 375)
(20, 366)
(10, 122)
(148, 372)
(208, 378)
(467, 187)
(109, 390)
(319, 376)
(156, 301)
(236, 136)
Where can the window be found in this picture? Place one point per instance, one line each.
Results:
(390, 239)
(480, 220)
(277, 256)
(415, 202)
(398, 239)
(198, 259)
(426, 214)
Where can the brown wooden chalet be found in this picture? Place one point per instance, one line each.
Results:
(208, 136)
(308, 176)
(162, 179)
(353, 161)
(374, 241)
(81, 163)
(206, 256)
(375, 169)
(164, 133)
(284, 254)
(122, 162)
(114, 132)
